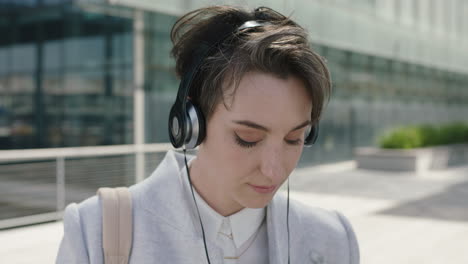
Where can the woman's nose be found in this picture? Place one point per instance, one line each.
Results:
(271, 165)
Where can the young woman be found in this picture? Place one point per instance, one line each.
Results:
(251, 97)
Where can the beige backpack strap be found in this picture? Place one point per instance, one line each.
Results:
(117, 224)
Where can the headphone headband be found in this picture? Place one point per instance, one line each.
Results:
(205, 48)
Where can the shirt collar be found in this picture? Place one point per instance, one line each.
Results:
(243, 224)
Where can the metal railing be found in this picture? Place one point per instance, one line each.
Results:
(37, 184)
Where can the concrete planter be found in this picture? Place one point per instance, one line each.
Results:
(416, 160)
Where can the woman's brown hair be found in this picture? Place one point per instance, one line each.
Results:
(280, 47)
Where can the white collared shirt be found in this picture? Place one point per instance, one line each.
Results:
(241, 235)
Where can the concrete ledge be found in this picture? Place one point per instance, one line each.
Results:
(416, 160)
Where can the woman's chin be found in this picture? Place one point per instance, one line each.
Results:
(258, 202)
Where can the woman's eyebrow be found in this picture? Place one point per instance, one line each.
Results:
(260, 127)
(304, 124)
(251, 124)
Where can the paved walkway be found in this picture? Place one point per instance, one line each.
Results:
(398, 217)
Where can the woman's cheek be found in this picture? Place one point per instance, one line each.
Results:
(295, 155)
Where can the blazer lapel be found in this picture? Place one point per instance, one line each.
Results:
(165, 197)
(277, 233)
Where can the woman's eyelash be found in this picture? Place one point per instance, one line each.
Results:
(294, 142)
(247, 144)
(244, 143)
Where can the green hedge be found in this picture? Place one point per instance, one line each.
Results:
(425, 136)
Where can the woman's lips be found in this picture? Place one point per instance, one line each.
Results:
(263, 189)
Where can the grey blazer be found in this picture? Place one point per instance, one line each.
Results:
(166, 230)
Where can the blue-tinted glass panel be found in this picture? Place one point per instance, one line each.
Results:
(122, 48)
(53, 55)
(4, 59)
(161, 82)
(23, 57)
(84, 52)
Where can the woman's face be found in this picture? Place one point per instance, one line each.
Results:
(251, 148)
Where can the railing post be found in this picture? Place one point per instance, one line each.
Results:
(60, 174)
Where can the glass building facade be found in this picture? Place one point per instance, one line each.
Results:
(65, 76)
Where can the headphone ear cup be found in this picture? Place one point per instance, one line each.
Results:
(311, 138)
(176, 127)
(201, 126)
(196, 123)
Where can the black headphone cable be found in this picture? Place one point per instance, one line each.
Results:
(196, 205)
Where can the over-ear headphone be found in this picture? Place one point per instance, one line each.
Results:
(186, 120)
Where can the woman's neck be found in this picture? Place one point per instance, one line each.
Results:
(209, 186)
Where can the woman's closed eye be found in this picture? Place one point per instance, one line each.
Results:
(244, 143)
(296, 137)
(249, 144)
(294, 141)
